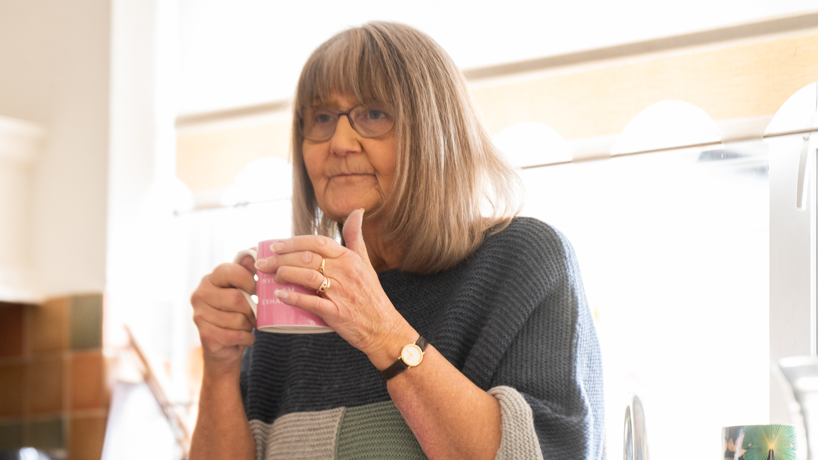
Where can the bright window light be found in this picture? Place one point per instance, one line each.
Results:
(667, 124)
(171, 194)
(266, 179)
(799, 112)
(531, 143)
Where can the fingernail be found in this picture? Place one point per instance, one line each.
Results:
(281, 294)
(277, 246)
(261, 264)
(362, 211)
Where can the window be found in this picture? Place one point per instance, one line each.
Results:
(673, 249)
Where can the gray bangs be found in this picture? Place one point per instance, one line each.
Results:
(354, 63)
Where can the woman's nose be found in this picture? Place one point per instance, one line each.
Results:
(345, 139)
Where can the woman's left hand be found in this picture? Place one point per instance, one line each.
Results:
(355, 305)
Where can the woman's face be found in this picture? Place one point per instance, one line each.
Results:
(349, 171)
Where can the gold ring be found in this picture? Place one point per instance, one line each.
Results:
(324, 286)
(321, 268)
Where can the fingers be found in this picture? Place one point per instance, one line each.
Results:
(224, 331)
(215, 338)
(223, 316)
(353, 235)
(228, 300)
(321, 245)
(307, 251)
(311, 303)
(249, 263)
(304, 259)
(234, 275)
(306, 277)
(223, 319)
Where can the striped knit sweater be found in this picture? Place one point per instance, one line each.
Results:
(512, 317)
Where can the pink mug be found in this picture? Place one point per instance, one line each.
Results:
(273, 315)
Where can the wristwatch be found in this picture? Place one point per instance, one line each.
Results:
(410, 356)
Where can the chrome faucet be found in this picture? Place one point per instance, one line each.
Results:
(801, 373)
(636, 439)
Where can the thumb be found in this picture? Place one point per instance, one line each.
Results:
(353, 237)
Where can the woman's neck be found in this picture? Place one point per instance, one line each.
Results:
(382, 255)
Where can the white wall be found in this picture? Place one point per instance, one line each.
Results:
(20, 146)
(54, 57)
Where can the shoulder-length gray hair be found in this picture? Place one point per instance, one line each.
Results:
(451, 184)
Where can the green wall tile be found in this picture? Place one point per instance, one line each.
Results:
(45, 434)
(86, 321)
(11, 435)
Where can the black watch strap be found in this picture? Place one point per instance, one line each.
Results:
(399, 366)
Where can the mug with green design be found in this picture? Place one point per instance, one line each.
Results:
(759, 442)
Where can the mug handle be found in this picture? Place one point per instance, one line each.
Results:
(237, 260)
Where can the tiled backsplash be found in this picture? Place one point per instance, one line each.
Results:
(53, 389)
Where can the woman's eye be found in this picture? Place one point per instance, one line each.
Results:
(375, 114)
(323, 118)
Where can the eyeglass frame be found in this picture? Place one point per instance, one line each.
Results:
(339, 113)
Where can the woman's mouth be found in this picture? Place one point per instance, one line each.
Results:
(351, 175)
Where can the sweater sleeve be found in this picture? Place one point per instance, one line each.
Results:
(549, 382)
(519, 438)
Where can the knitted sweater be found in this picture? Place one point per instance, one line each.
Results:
(512, 318)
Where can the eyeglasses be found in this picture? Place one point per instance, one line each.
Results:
(369, 120)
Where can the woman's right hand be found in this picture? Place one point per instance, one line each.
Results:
(223, 316)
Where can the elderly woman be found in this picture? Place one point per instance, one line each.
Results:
(390, 158)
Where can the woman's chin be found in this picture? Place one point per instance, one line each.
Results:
(340, 213)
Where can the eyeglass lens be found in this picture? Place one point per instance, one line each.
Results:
(368, 120)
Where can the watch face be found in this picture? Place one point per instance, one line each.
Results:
(411, 355)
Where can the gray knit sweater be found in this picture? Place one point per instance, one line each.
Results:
(512, 317)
